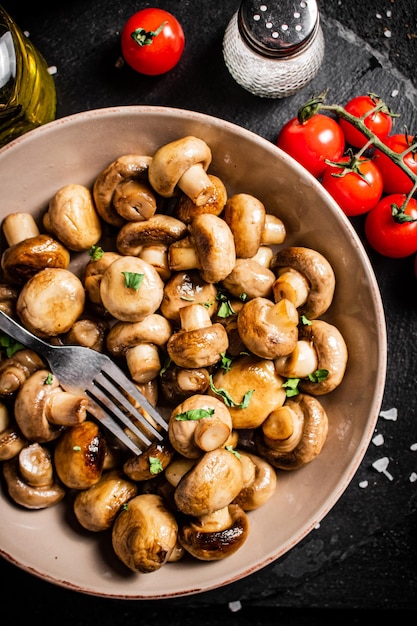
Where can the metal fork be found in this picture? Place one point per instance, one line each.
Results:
(113, 399)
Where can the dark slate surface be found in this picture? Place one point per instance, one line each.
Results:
(361, 563)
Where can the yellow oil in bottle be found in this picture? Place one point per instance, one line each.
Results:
(27, 89)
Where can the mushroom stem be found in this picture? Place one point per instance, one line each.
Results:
(193, 317)
(196, 184)
(291, 285)
(19, 226)
(283, 426)
(273, 232)
(301, 362)
(143, 362)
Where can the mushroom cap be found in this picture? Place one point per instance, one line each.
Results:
(211, 484)
(51, 301)
(245, 216)
(332, 355)
(251, 278)
(153, 328)
(26, 495)
(139, 468)
(201, 347)
(157, 229)
(28, 257)
(172, 160)
(185, 209)
(317, 270)
(182, 289)
(314, 428)
(126, 303)
(215, 246)
(145, 533)
(214, 545)
(268, 330)
(72, 217)
(261, 488)
(250, 373)
(126, 168)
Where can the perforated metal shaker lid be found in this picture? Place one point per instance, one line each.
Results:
(278, 28)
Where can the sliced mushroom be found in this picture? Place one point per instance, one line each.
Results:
(26, 495)
(182, 164)
(199, 424)
(198, 343)
(186, 209)
(260, 487)
(72, 218)
(145, 533)
(96, 508)
(217, 535)
(210, 248)
(124, 170)
(16, 369)
(318, 272)
(294, 434)
(184, 288)
(253, 377)
(51, 301)
(158, 229)
(268, 330)
(131, 289)
(28, 257)
(250, 278)
(332, 356)
(151, 463)
(79, 455)
(211, 484)
(42, 407)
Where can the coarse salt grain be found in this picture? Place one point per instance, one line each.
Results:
(363, 484)
(235, 606)
(378, 16)
(413, 447)
(52, 69)
(378, 440)
(381, 466)
(391, 414)
(394, 93)
(413, 477)
(387, 33)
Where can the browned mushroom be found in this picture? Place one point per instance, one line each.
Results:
(250, 278)
(27, 495)
(145, 533)
(8, 299)
(131, 289)
(118, 190)
(151, 463)
(300, 363)
(317, 271)
(332, 356)
(294, 434)
(96, 508)
(261, 483)
(184, 288)
(212, 483)
(158, 229)
(88, 332)
(215, 536)
(198, 343)
(253, 390)
(11, 439)
(178, 383)
(16, 369)
(185, 209)
(79, 455)
(72, 218)
(268, 330)
(51, 301)
(93, 274)
(182, 164)
(209, 248)
(245, 216)
(199, 424)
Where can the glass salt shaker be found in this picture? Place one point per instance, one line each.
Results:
(274, 48)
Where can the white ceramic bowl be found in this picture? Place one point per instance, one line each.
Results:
(75, 150)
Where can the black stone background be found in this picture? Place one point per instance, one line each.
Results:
(360, 565)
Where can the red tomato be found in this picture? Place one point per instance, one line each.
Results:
(152, 41)
(312, 142)
(358, 190)
(379, 122)
(387, 236)
(395, 180)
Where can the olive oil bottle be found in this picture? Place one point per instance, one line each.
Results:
(27, 89)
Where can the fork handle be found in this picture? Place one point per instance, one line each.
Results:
(23, 336)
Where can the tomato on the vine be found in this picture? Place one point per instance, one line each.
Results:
(152, 41)
(395, 179)
(391, 235)
(375, 115)
(313, 141)
(355, 184)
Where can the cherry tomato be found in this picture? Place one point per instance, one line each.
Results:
(313, 141)
(379, 122)
(152, 41)
(387, 236)
(358, 189)
(395, 180)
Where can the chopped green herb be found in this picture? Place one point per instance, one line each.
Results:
(49, 379)
(155, 465)
(318, 376)
(10, 345)
(194, 414)
(125, 507)
(165, 365)
(305, 321)
(226, 362)
(96, 252)
(225, 309)
(133, 279)
(243, 297)
(291, 387)
(76, 448)
(228, 400)
(233, 451)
